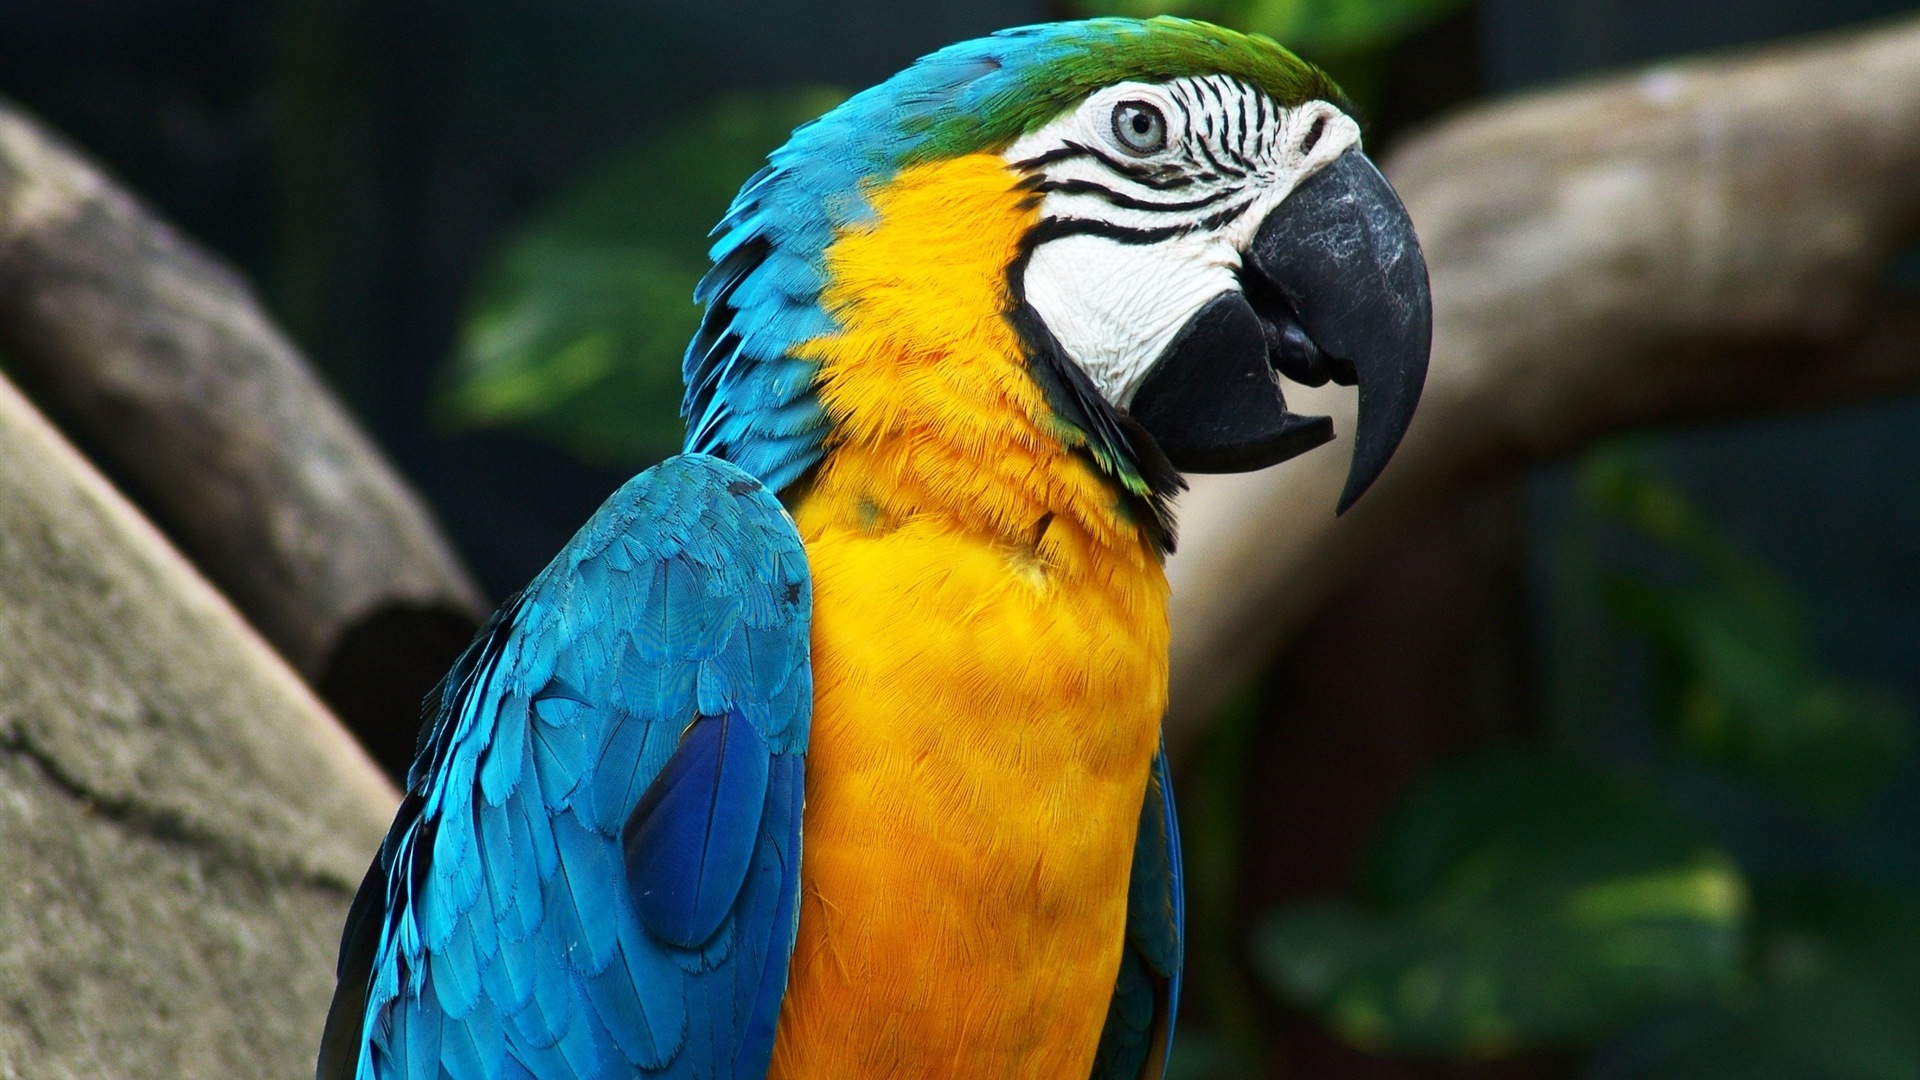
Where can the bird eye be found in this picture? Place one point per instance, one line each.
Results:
(1139, 127)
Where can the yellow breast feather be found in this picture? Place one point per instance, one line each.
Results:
(989, 651)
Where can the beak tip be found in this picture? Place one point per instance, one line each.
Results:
(1349, 495)
(1358, 481)
(1343, 252)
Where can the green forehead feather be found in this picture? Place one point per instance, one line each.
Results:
(982, 95)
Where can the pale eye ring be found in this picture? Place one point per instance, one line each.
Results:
(1139, 128)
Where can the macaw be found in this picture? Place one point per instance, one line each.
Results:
(831, 748)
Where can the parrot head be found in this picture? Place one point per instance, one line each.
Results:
(1192, 217)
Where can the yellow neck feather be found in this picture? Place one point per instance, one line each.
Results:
(933, 408)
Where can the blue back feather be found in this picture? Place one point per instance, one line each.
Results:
(595, 868)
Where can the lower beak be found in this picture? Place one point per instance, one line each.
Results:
(1333, 287)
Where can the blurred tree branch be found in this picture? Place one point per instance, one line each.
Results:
(182, 824)
(1698, 241)
(159, 360)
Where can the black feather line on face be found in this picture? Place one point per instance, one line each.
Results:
(1076, 401)
(1223, 217)
(1054, 228)
(1111, 434)
(1158, 177)
(1041, 185)
(1206, 151)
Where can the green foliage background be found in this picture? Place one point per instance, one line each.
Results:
(577, 327)
(1618, 888)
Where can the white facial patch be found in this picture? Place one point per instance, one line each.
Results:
(1149, 194)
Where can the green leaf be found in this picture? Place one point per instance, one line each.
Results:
(1736, 680)
(1520, 902)
(1836, 996)
(577, 326)
(1627, 483)
(1322, 29)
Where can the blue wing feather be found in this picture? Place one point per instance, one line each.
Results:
(596, 865)
(689, 843)
(1139, 1029)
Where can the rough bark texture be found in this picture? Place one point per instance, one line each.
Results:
(1697, 241)
(159, 360)
(182, 824)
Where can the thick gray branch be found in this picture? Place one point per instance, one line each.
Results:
(182, 824)
(159, 359)
(1697, 241)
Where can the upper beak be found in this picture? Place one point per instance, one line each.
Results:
(1335, 288)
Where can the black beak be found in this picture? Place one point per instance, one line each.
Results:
(1334, 287)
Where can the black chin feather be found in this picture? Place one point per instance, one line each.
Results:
(1115, 442)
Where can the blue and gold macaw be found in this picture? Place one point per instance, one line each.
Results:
(831, 748)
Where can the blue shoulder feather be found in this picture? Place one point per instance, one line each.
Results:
(596, 866)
